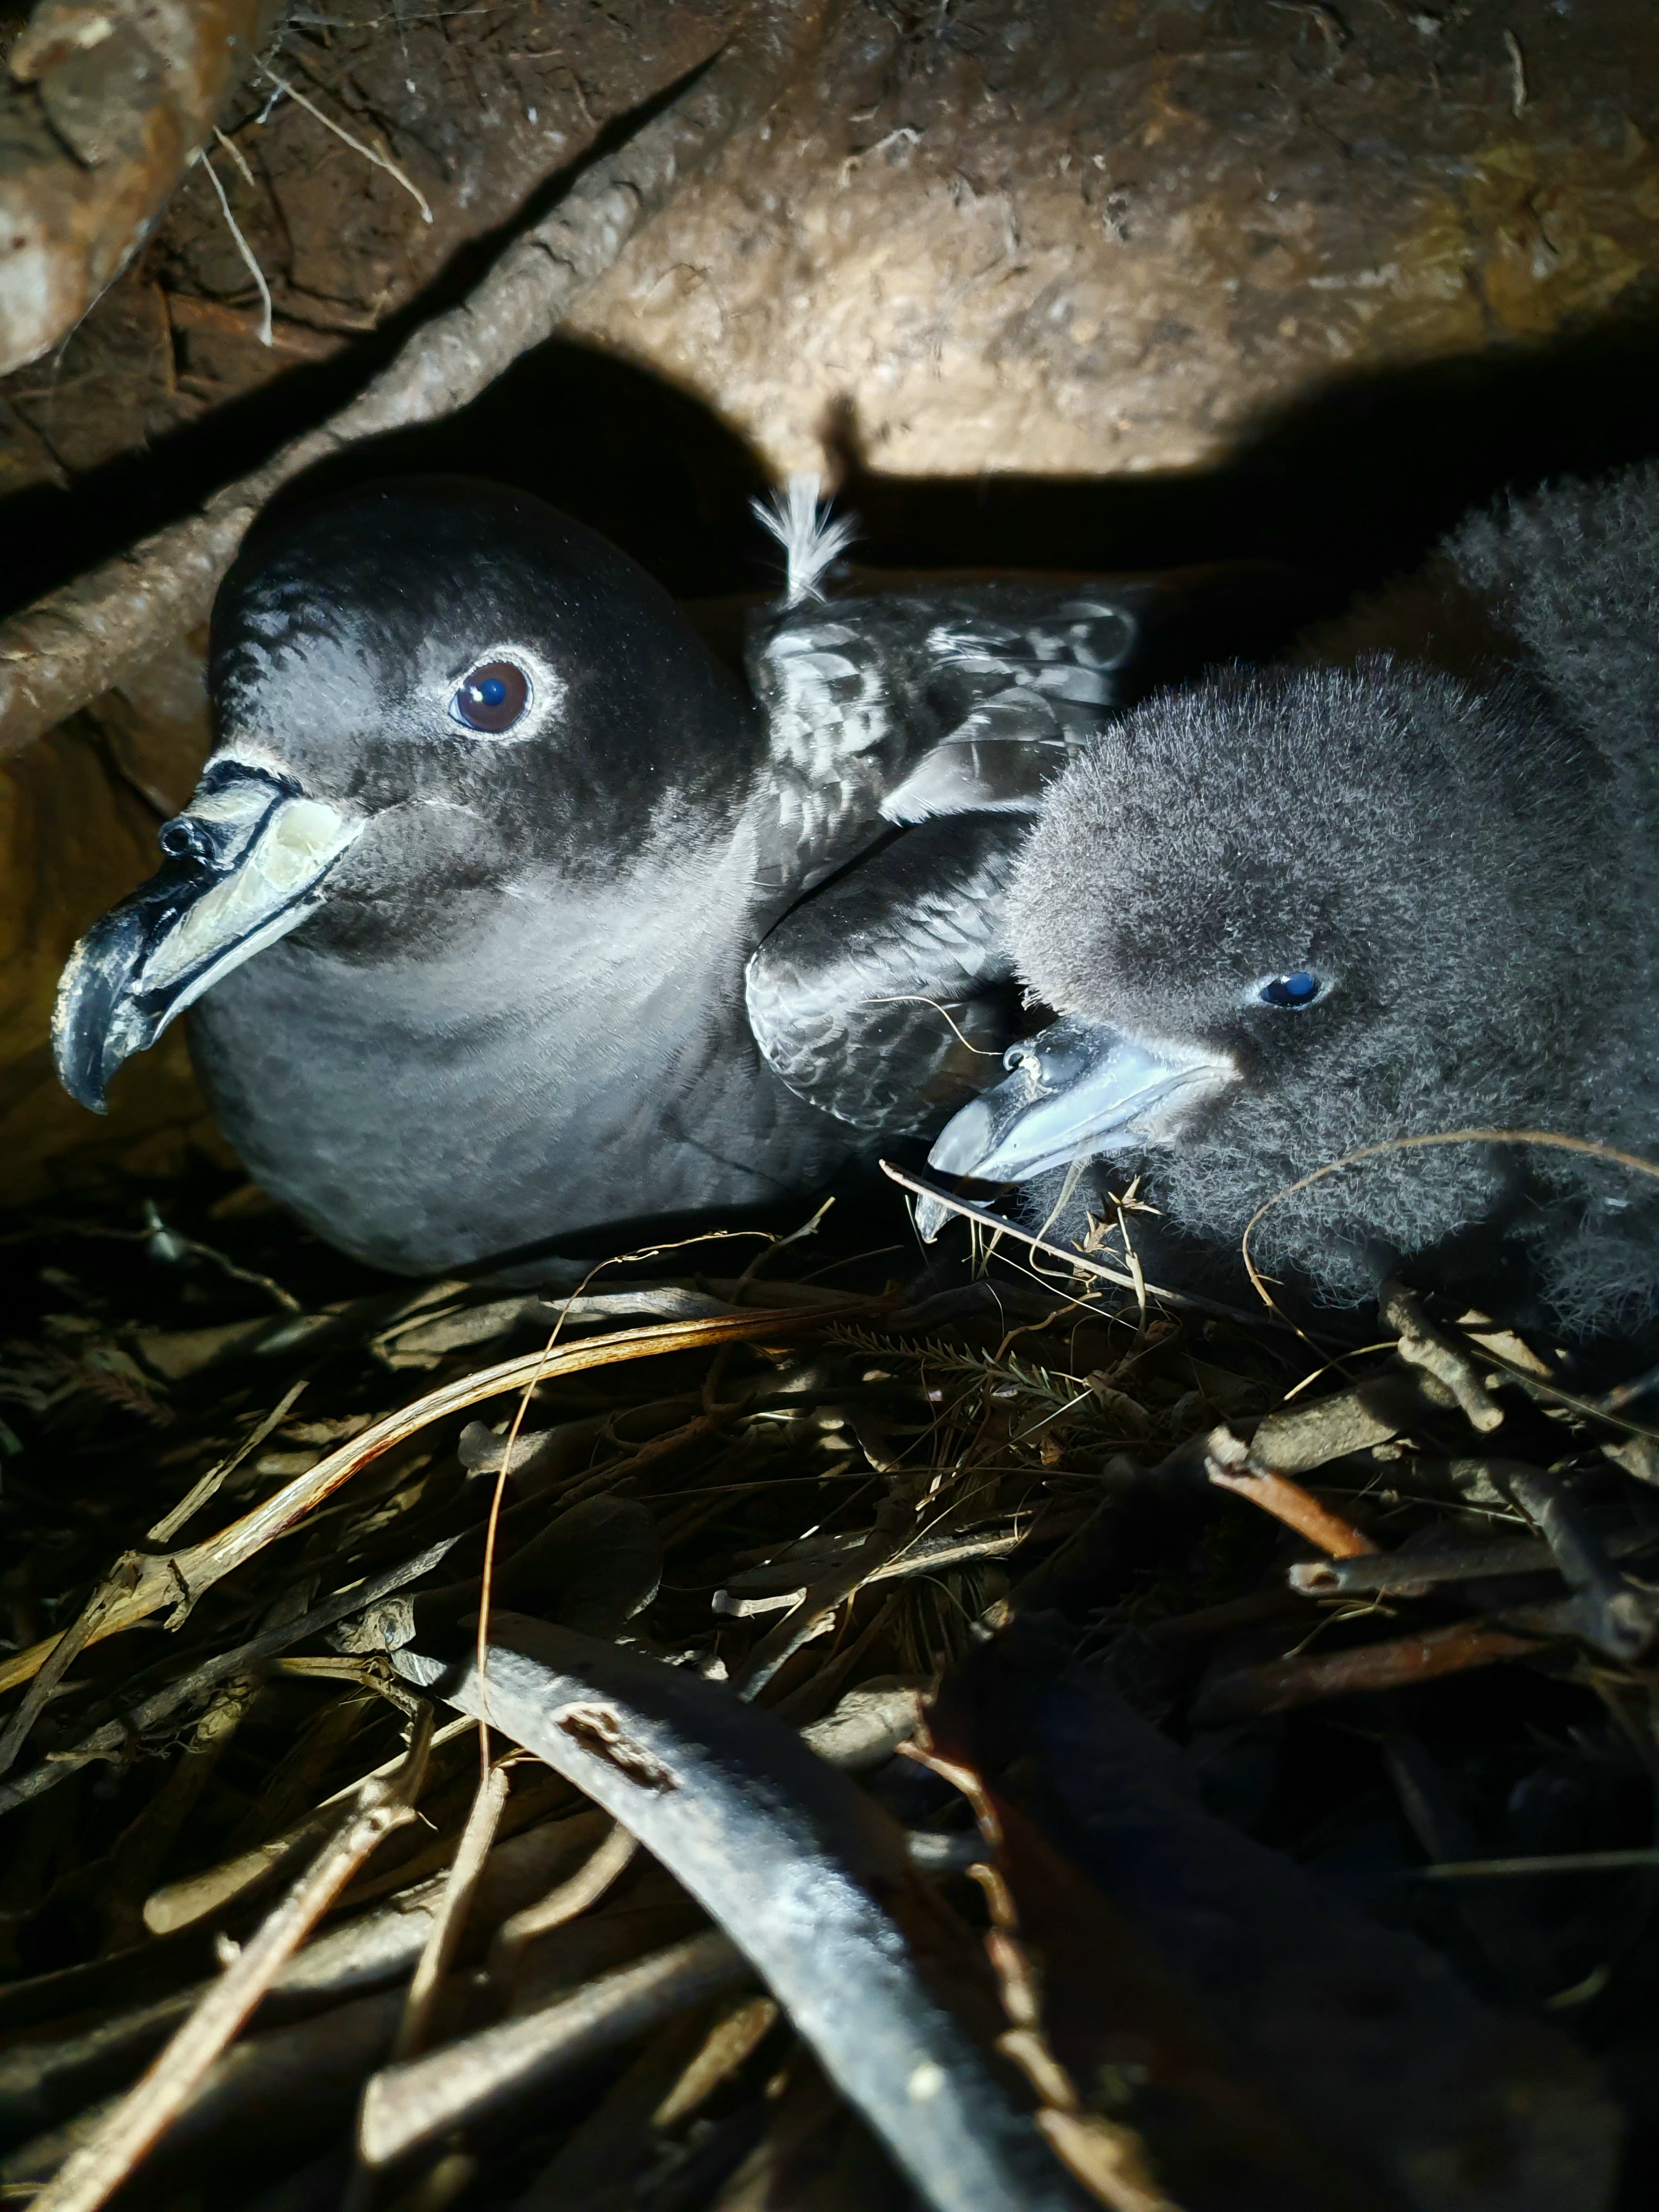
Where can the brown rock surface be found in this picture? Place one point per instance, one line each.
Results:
(1092, 240)
(107, 100)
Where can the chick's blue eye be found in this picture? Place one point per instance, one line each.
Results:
(1299, 988)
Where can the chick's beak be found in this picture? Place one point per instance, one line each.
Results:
(243, 865)
(1072, 1089)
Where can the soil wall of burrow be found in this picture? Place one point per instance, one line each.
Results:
(1134, 285)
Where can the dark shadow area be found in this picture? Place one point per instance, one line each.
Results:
(1354, 482)
(1351, 483)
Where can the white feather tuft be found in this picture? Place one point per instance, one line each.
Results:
(812, 537)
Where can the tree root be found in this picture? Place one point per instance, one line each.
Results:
(86, 637)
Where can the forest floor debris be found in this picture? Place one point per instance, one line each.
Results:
(1376, 1643)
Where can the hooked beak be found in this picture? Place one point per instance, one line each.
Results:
(1072, 1089)
(242, 867)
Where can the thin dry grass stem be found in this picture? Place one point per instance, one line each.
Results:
(177, 1579)
(487, 1577)
(776, 1244)
(380, 160)
(198, 1495)
(245, 251)
(486, 1590)
(1079, 1262)
(1551, 1139)
(243, 170)
(983, 1218)
(1638, 1855)
(93, 2173)
(81, 1632)
(1099, 1230)
(1073, 1175)
(450, 1922)
(921, 999)
(1335, 1366)
(1542, 1386)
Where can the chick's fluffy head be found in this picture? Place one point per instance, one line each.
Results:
(1425, 849)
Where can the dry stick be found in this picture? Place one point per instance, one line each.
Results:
(1411, 1574)
(179, 1578)
(1282, 1684)
(1619, 1616)
(610, 1859)
(1226, 1461)
(92, 634)
(1422, 1345)
(160, 2094)
(450, 1922)
(1288, 1502)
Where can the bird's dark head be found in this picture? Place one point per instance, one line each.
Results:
(1288, 915)
(427, 695)
(458, 648)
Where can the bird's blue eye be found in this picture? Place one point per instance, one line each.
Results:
(1299, 988)
(491, 697)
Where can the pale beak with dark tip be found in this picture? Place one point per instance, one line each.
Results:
(1072, 1089)
(243, 867)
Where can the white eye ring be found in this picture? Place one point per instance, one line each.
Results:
(504, 659)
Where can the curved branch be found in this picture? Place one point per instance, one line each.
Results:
(89, 635)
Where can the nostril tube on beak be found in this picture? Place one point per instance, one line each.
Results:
(182, 839)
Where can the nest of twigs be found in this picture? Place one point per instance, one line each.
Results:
(1014, 1743)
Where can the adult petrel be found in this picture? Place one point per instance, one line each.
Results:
(505, 915)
